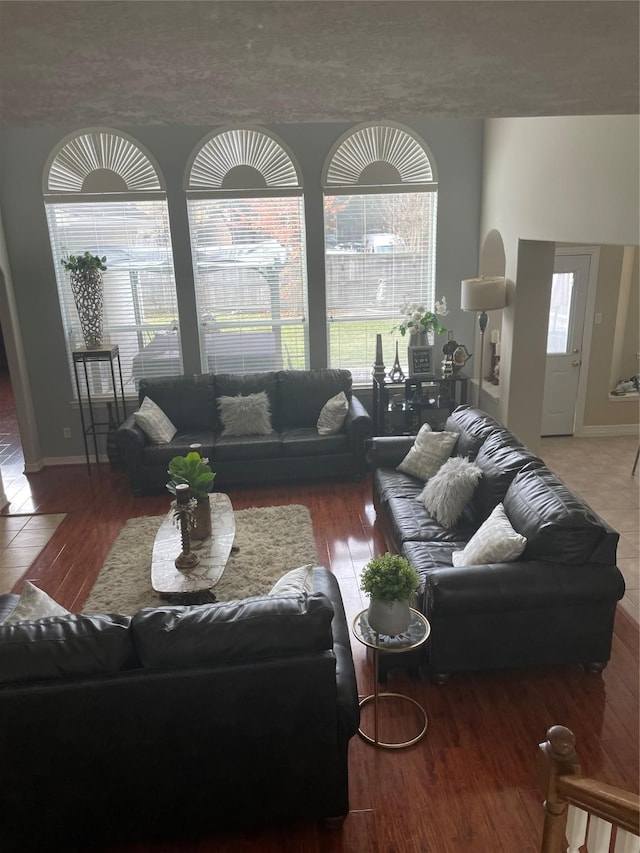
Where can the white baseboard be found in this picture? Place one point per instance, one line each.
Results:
(609, 429)
(67, 460)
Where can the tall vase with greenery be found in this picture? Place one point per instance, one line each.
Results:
(193, 469)
(391, 583)
(86, 285)
(420, 324)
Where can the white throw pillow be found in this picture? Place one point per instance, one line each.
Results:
(450, 489)
(35, 604)
(294, 582)
(154, 423)
(495, 541)
(429, 451)
(333, 414)
(248, 415)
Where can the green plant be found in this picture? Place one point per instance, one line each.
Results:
(416, 319)
(193, 470)
(389, 577)
(84, 263)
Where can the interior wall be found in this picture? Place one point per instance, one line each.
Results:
(567, 179)
(456, 145)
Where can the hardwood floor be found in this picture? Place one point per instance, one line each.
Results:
(470, 786)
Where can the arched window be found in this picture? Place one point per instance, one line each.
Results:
(103, 195)
(380, 207)
(246, 218)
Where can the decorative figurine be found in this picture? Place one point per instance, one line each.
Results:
(396, 374)
(183, 509)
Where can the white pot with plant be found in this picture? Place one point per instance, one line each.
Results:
(193, 469)
(421, 325)
(86, 285)
(391, 583)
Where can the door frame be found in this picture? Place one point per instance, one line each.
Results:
(587, 332)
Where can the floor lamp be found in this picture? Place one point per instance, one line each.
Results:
(487, 293)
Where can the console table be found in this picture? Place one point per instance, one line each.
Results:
(409, 414)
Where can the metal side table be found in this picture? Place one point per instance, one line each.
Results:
(416, 635)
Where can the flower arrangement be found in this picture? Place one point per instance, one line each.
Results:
(81, 264)
(417, 319)
(389, 577)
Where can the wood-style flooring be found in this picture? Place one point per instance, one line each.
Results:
(470, 785)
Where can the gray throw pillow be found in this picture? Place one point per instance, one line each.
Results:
(333, 414)
(294, 582)
(248, 415)
(495, 541)
(154, 423)
(35, 604)
(450, 490)
(429, 451)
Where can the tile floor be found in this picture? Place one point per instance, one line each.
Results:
(22, 537)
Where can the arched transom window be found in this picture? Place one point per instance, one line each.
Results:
(380, 209)
(246, 219)
(103, 195)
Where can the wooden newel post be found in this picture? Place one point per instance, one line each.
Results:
(556, 757)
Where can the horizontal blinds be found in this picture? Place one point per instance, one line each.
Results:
(250, 277)
(380, 250)
(140, 307)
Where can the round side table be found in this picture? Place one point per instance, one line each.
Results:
(416, 635)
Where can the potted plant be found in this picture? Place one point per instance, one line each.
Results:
(391, 582)
(86, 285)
(193, 469)
(420, 323)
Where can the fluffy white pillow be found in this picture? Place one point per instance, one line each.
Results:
(34, 604)
(450, 489)
(429, 451)
(154, 423)
(248, 415)
(495, 541)
(333, 414)
(294, 582)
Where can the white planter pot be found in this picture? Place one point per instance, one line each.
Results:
(389, 618)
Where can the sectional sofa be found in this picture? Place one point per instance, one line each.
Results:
(554, 604)
(176, 721)
(292, 448)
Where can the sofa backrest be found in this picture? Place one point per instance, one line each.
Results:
(188, 401)
(559, 525)
(303, 393)
(473, 426)
(233, 632)
(68, 646)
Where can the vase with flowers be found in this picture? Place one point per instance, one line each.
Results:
(420, 324)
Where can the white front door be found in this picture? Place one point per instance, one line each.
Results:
(564, 343)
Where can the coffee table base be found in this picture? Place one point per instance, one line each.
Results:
(393, 745)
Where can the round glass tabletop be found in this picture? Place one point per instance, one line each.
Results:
(416, 634)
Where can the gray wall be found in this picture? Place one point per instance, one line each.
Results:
(456, 146)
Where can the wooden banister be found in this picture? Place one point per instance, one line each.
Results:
(560, 780)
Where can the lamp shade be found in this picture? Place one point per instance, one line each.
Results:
(487, 293)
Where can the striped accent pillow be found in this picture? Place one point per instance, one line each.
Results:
(333, 414)
(495, 541)
(429, 451)
(154, 423)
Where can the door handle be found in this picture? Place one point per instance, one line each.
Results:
(576, 362)
(574, 351)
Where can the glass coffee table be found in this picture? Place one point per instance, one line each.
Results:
(194, 586)
(416, 635)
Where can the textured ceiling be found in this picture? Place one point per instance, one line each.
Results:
(319, 60)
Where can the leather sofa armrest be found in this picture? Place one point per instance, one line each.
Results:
(520, 585)
(388, 451)
(359, 426)
(131, 441)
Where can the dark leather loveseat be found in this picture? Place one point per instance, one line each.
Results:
(175, 721)
(555, 604)
(294, 449)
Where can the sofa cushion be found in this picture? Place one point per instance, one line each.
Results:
(495, 541)
(34, 603)
(64, 647)
(242, 447)
(245, 414)
(303, 393)
(188, 401)
(559, 525)
(180, 445)
(332, 414)
(429, 452)
(472, 426)
(410, 520)
(154, 423)
(305, 441)
(500, 458)
(446, 494)
(233, 632)
(389, 483)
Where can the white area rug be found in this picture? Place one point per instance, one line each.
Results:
(271, 540)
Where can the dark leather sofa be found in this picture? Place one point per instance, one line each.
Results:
(553, 605)
(175, 721)
(293, 450)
